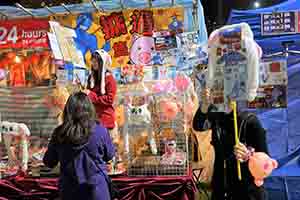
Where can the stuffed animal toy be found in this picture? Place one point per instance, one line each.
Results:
(261, 166)
(40, 66)
(11, 55)
(3, 74)
(164, 87)
(3, 77)
(56, 101)
(17, 75)
(168, 109)
(167, 134)
(139, 115)
(182, 82)
(9, 131)
(120, 118)
(172, 155)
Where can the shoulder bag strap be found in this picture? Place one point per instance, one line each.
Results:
(243, 127)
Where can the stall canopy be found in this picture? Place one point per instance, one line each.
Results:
(270, 44)
(283, 125)
(193, 22)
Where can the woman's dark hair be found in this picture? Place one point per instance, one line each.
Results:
(79, 116)
(96, 73)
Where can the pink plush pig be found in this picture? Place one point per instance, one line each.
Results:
(141, 50)
(261, 166)
(169, 109)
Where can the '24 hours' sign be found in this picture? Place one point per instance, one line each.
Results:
(27, 33)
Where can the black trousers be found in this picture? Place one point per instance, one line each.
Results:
(242, 192)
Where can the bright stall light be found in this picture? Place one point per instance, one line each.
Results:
(256, 4)
(17, 59)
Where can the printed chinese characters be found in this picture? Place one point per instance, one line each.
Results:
(113, 25)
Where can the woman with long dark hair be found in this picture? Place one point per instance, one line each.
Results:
(82, 147)
(102, 88)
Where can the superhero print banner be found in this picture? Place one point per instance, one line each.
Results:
(127, 35)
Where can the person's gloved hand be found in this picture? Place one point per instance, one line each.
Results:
(241, 152)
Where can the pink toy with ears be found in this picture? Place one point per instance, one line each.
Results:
(164, 87)
(169, 109)
(182, 82)
(261, 166)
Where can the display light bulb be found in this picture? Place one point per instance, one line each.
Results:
(17, 59)
(256, 4)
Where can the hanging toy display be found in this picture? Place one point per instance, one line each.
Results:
(17, 70)
(40, 64)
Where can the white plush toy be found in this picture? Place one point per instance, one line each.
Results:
(138, 115)
(8, 131)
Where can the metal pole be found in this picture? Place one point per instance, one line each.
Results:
(150, 3)
(121, 3)
(66, 8)
(220, 12)
(95, 6)
(195, 15)
(4, 15)
(25, 9)
(49, 10)
(173, 2)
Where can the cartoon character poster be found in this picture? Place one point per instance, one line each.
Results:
(200, 77)
(190, 53)
(126, 35)
(164, 41)
(270, 97)
(273, 73)
(272, 91)
(231, 70)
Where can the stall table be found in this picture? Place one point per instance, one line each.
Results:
(131, 188)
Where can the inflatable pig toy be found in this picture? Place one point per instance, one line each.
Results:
(261, 166)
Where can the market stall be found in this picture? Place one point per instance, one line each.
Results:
(153, 48)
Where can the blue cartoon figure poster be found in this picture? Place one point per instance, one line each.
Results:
(126, 35)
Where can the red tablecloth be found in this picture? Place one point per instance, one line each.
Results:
(141, 188)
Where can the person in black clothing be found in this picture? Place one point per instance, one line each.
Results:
(225, 182)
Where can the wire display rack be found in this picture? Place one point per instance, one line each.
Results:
(158, 147)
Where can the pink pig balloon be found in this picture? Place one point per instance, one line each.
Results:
(169, 109)
(261, 166)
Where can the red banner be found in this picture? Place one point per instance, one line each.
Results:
(29, 33)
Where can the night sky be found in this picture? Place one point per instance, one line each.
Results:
(211, 6)
(217, 11)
